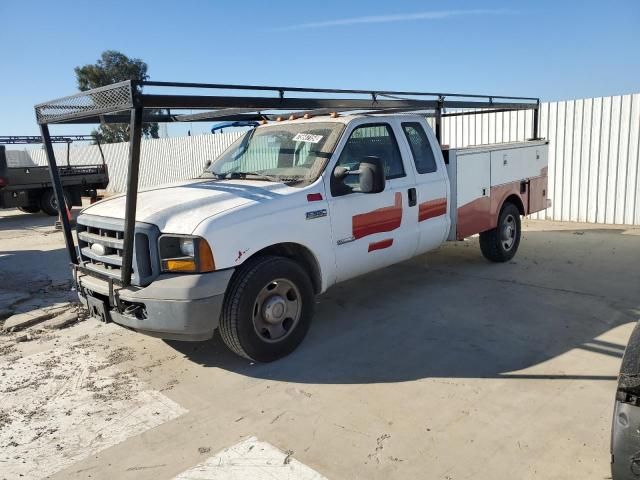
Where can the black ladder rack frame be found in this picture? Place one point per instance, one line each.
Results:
(124, 102)
(68, 139)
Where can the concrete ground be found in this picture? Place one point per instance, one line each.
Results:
(443, 367)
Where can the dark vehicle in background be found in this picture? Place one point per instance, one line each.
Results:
(30, 189)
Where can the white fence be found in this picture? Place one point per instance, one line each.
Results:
(593, 156)
(162, 160)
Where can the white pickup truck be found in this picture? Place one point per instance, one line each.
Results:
(292, 208)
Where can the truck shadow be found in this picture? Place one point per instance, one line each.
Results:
(451, 314)
(14, 219)
(20, 220)
(32, 279)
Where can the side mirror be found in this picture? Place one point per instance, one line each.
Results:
(340, 172)
(372, 178)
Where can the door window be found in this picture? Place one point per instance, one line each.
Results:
(368, 140)
(420, 147)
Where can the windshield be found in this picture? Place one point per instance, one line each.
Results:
(289, 153)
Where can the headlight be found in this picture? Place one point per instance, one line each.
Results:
(185, 254)
(186, 247)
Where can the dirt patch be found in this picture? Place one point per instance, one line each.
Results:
(7, 349)
(117, 387)
(377, 453)
(170, 384)
(120, 355)
(5, 419)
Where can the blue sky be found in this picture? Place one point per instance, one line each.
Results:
(552, 49)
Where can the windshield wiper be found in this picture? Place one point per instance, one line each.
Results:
(217, 176)
(260, 176)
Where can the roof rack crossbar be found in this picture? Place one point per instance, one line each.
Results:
(35, 139)
(212, 115)
(221, 86)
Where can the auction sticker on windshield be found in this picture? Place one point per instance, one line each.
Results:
(307, 137)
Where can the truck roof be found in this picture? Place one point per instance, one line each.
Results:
(346, 119)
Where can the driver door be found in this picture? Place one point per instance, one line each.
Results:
(372, 230)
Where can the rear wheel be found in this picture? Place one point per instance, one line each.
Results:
(501, 243)
(268, 308)
(48, 202)
(30, 209)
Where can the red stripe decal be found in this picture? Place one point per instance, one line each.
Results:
(380, 220)
(431, 209)
(381, 244)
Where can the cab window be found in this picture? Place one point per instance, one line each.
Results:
(420, 147)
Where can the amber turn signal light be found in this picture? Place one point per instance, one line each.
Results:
(205, 257)
(180, 265)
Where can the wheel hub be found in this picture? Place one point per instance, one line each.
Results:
(274, 308)
(277, 310)
(508, 232)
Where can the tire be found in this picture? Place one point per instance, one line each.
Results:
(30, 209)
(501, 244)
(267, 309)
(48, 203)
(625, 441)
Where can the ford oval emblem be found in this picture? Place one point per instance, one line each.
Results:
(98, 249)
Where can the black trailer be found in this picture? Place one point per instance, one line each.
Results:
(124, 102)
(30, 188)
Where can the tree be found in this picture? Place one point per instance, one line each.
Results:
(112, 67)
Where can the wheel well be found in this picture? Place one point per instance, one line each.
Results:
(300, 254)
(516, 200)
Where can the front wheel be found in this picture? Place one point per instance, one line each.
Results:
(267, 309)
(501, 243)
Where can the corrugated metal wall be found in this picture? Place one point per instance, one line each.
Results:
(162, 160)
(594, 154)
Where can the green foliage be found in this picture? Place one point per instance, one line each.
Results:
(113, 67)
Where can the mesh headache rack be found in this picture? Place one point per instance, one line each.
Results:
(125, 102)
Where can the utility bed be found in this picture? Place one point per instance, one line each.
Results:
(483, 177)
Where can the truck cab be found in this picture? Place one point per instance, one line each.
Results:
(288, 210)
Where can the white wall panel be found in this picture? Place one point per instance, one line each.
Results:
(633, 163)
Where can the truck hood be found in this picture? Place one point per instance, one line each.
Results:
(180, 207)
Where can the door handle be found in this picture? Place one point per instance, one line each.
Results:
(413, 197)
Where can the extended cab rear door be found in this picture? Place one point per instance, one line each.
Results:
(432, 182)
(372, 230)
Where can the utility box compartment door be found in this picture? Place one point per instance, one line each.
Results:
(472, 192)
(517, 163)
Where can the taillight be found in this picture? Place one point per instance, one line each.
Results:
(3, 182)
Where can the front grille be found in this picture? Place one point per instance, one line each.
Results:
(101, 243)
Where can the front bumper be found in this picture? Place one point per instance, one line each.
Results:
(176, 307)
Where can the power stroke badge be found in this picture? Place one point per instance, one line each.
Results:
(316, 214)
